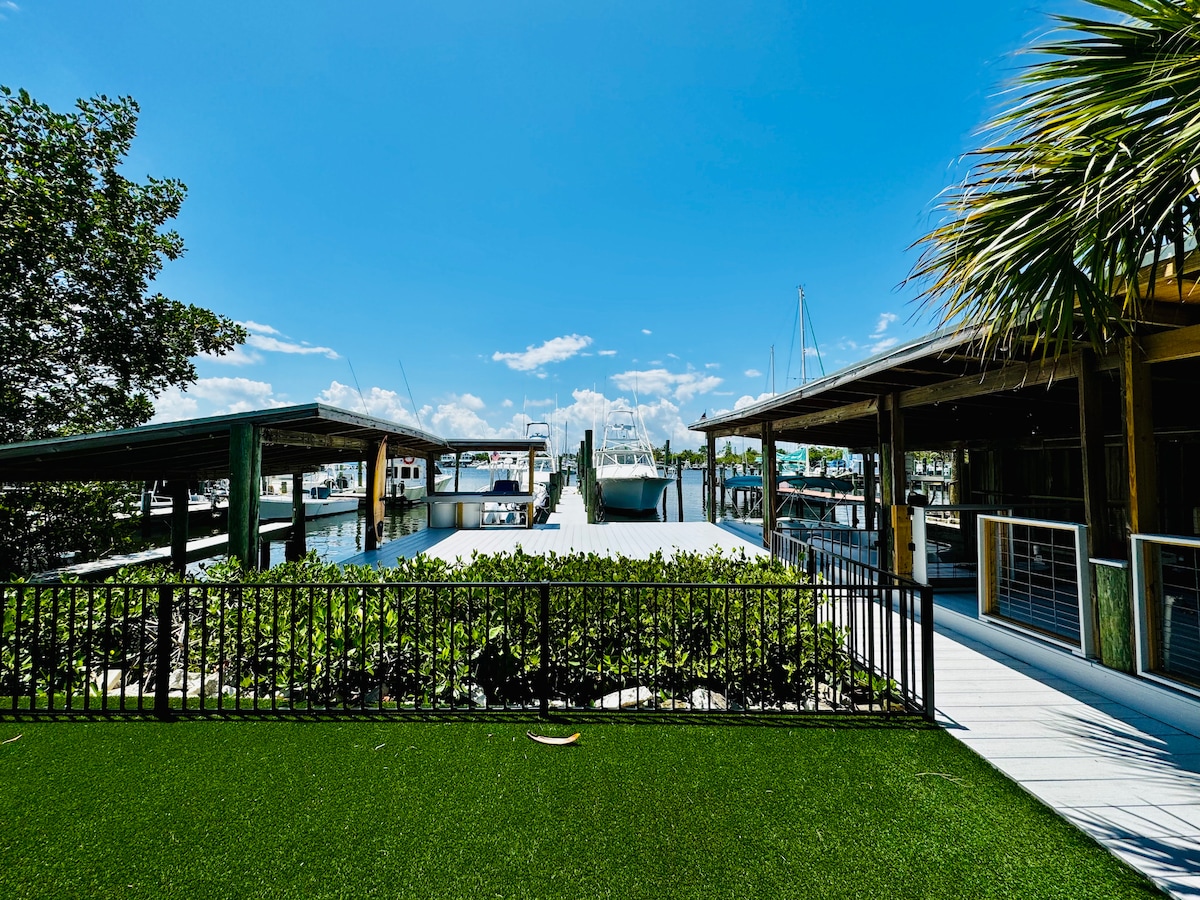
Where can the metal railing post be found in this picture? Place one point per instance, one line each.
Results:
(162, 661)
(544, 649)
(927, 694)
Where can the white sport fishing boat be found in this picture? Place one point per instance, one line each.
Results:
(405, 478)
(545, 464)
(321, 498)
(625, 470)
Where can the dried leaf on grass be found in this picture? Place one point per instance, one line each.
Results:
(555, 741)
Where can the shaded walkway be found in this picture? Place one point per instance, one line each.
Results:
(1128, 779)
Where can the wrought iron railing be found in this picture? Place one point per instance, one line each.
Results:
(212, 648)
(891, 616)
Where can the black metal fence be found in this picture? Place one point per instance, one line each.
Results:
(210, 648)
(889, 617)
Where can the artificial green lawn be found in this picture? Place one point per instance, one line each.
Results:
(474, 809)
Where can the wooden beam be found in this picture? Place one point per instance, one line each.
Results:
(770, 486)
(179, 524)
(1010, 378)
(243, 488)
(1091, 436)
(1166, 346)
(280, 436)
(297, 543)
(376, 470)
(711, 465)
(845, 413)
(1139, 437)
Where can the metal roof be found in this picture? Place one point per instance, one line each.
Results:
(295, 438)
(950, 393)
(478, 445)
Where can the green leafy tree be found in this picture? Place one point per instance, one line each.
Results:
(85, 344)
(1088, 177)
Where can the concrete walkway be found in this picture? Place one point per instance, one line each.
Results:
(1128, 779)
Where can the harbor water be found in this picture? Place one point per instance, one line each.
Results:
(336, 537)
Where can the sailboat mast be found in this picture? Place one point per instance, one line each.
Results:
(803, 354)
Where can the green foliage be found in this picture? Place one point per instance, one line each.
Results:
(84, 344)
(1090, 175)
(429, 633)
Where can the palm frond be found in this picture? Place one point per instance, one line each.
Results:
(1090, 177)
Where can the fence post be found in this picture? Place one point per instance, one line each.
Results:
(544, 649)
(810, 561)
(162, 662)
(927, 694)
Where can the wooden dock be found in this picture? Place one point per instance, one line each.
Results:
(201, 548)
(567, 531)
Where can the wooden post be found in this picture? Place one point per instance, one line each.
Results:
(666, 464)
(457, 467)
(1143, 481)
(376, 470)
(430, 475)
(770, 492)
(900, 520)
(1091, 446)
(591, 479)
(1139, 437)
(679, 490)
(296, 545)
(529, 506)
(245, 462)
(710, 467)
(179, 524)
(869, 492)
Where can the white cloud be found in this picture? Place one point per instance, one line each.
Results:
(238, 356)
(885, 344)
(507, 404)
(381, 403)
(753, 373)
(215, 397)
(275, 345)
(258, 328)
(470, 401)
(646, 331)
(607, 353)
(881, 326)
(554, 350)
(747, 400)
(265, 337)
(712, 365)
(683, 386)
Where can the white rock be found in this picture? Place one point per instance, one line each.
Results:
(702, 698)
(108, 680)
(628, 698)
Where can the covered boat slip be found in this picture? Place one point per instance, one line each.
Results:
(1076, 491)
(242, 447)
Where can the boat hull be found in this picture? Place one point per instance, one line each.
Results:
(633, 493)
(273, 507)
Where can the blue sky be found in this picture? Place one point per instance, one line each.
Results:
(531, 207)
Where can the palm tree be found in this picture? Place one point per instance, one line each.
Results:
(1087, 192)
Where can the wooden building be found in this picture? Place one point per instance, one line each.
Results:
(1077, 478)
